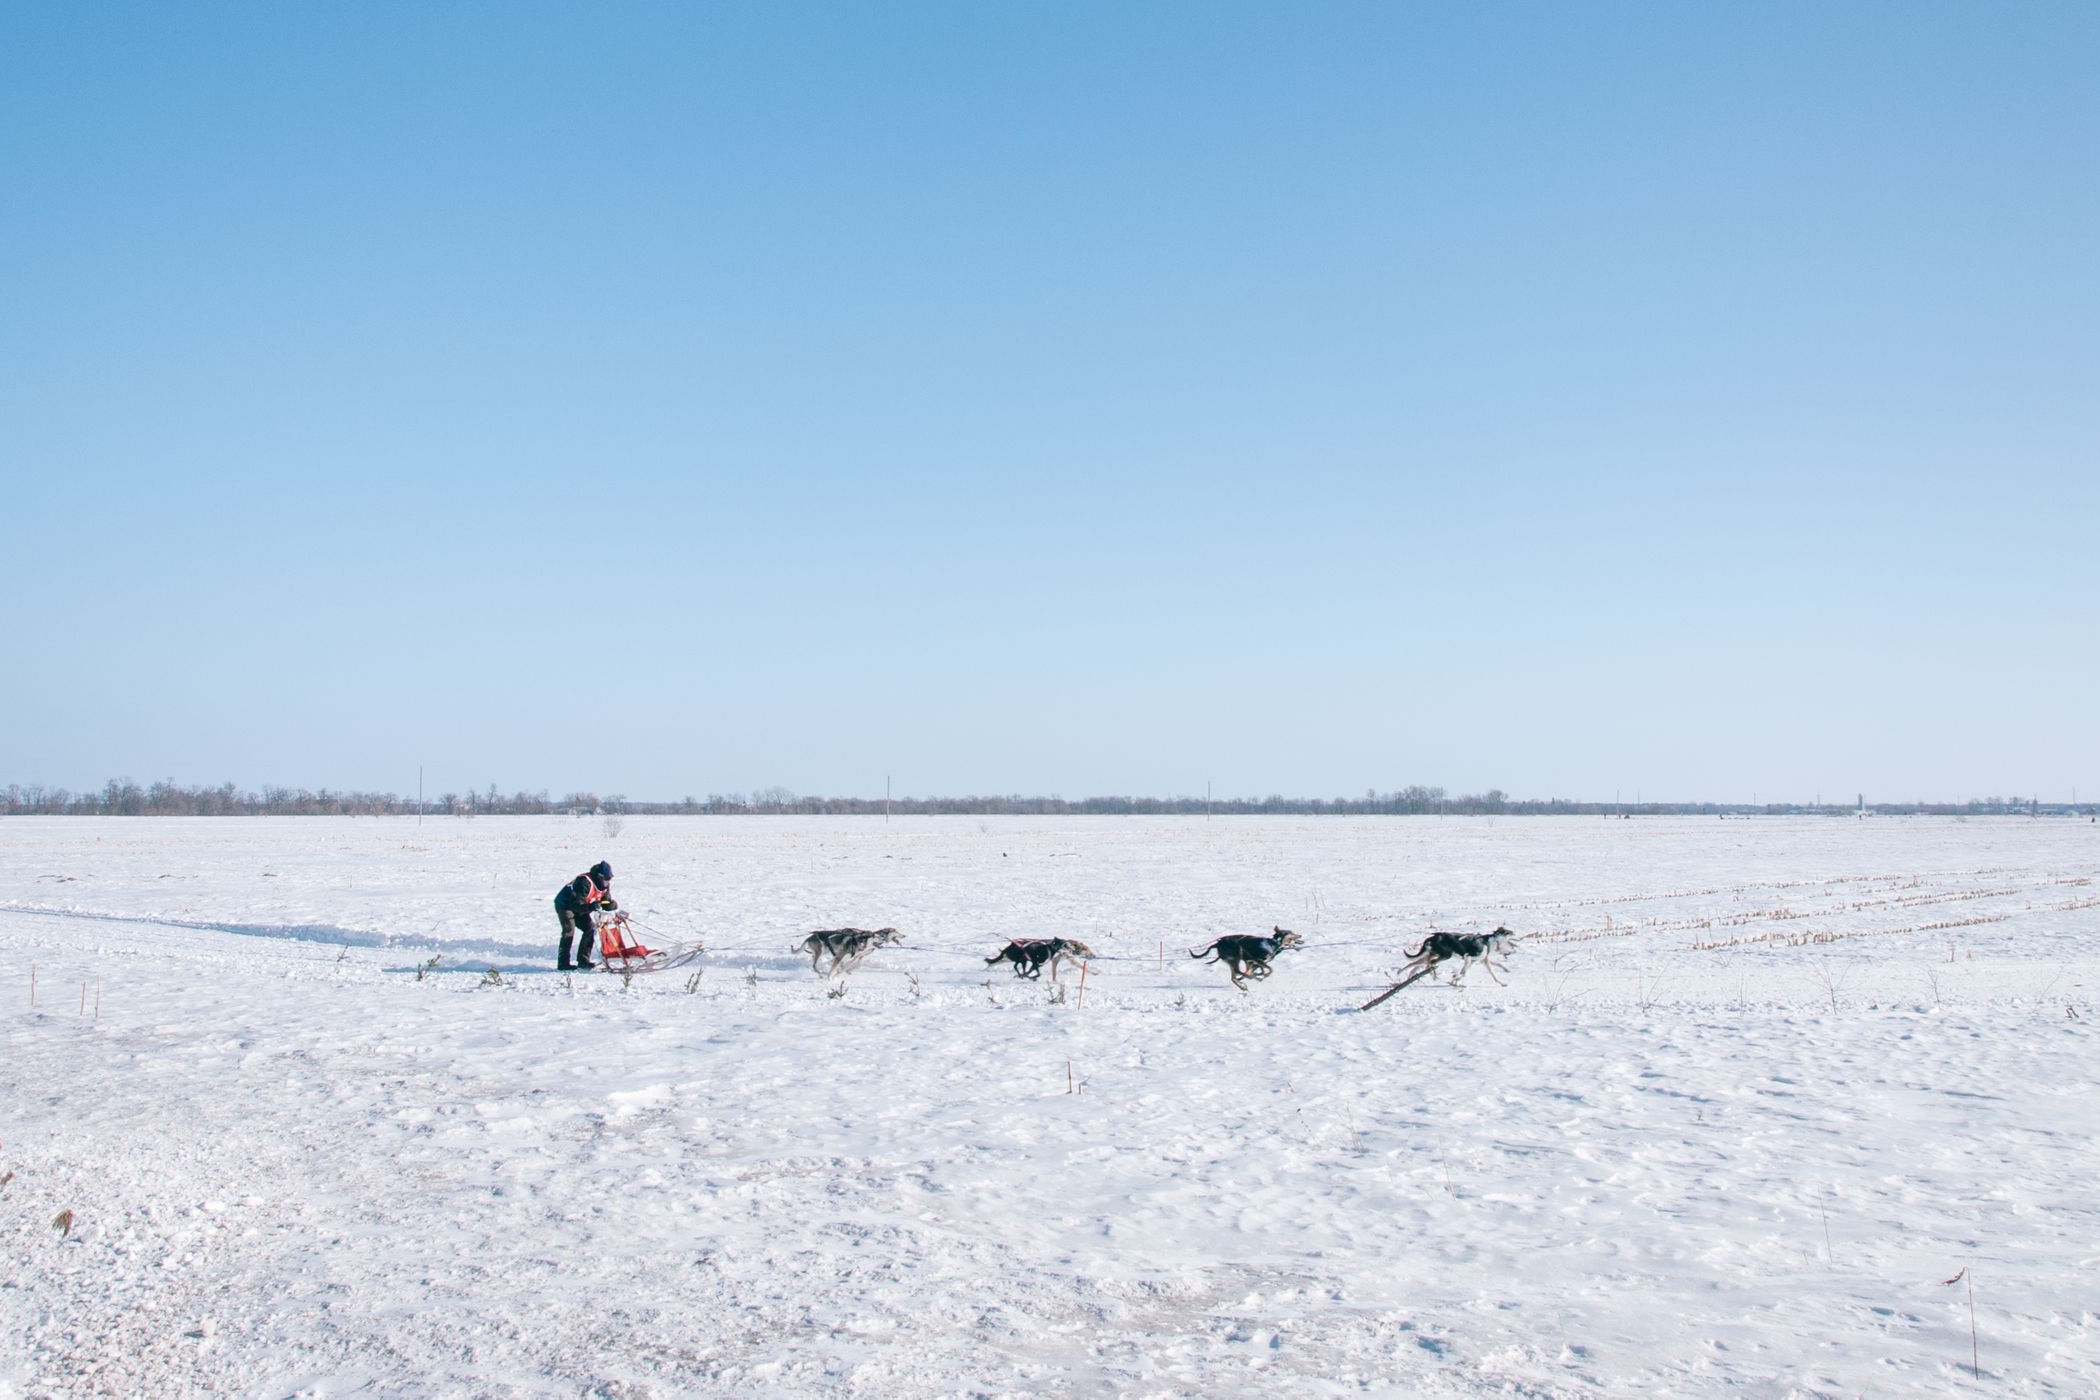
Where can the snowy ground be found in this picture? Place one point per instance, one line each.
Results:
(1754, 1090)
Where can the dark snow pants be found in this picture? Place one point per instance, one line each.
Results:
(576, 925)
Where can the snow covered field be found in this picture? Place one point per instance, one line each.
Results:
(1754, 1090)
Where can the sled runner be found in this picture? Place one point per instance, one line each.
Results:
(620, 951)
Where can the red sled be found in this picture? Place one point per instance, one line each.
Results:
(620, 951)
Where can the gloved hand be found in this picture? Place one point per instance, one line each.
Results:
(607, 903)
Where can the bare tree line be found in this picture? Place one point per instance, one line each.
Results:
(121, 797)
(167, 798)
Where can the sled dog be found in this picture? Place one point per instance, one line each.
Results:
(1249, 954)
(1466, 947)
(1029, 954)
(844, 946)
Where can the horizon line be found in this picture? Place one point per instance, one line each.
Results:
(124, 797)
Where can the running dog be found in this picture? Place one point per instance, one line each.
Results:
(1029, 954)
(846, 947)
(1442, 947)
(1249, 954)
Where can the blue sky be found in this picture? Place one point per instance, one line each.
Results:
(663, 399)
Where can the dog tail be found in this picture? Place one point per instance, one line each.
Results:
(1417, 952)
(1199, 952)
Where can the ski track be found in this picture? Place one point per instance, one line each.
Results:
(1659, 1162)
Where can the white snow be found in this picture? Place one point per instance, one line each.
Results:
(1754, 1090)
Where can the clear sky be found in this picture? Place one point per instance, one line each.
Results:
(1691, 400)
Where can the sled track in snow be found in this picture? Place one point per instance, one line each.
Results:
(327, 934)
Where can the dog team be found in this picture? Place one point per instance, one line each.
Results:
(1245, 956)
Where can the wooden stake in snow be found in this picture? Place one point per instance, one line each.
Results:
(1392, 989)
(1082, 985)
(1975, 1366)
(83, 996)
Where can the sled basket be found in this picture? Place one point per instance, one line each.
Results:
(620, 951)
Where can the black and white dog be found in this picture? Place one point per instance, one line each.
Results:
(1249, 954)
(845, 947)
(1466, 947)
(1029, 954)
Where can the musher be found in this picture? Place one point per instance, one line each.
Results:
(590, 890)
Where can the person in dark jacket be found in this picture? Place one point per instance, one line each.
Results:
(590, 890)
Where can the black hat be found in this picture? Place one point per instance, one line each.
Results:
(601, 872)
